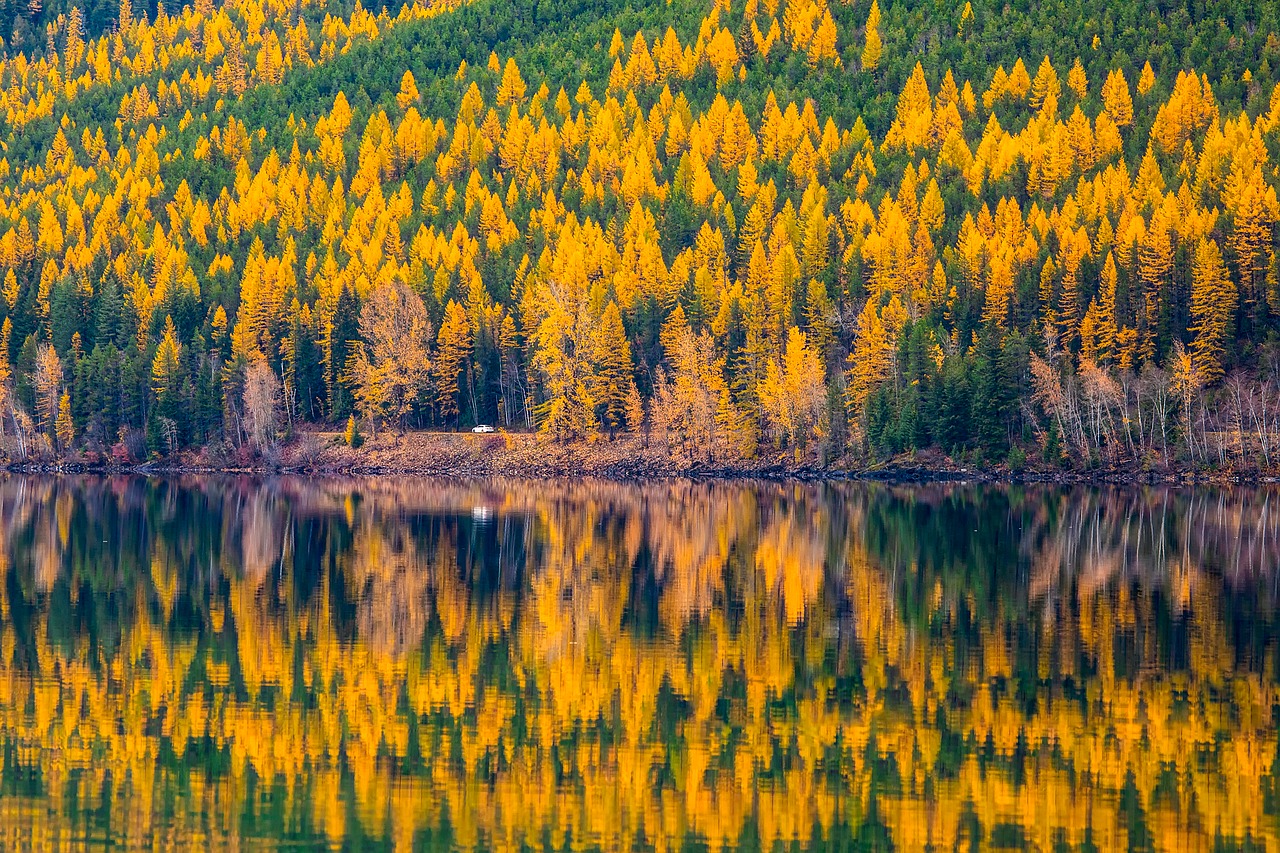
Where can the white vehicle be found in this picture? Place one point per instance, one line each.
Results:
(482, 428)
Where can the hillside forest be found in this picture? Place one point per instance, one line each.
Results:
(812, 230)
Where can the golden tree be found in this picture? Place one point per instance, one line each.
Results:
(1213, 304)
(1077, 80)
(47, 381)
(874, 348)
(512, 88)
(1116, 99)
(390, 367)
(612, 361)
(873, 47)
(453, 350)
(1146, 79)
(167, 361)
(63, 427)
(794, 392)
(692, 410)
(408, 94)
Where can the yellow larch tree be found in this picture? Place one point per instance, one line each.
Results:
(1077, 80)
(614, 384)
(1146, 79)
(512, 88)
(874, 347)
(794, 392)
(1213, 305)
(1116, 99)
(64, 427)
(408, 94)
(873, 47)
(453, 351)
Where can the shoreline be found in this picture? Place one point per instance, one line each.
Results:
(623, 459)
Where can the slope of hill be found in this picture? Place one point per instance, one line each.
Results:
(761, 229)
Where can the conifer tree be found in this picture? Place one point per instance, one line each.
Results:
(64, 427)
(1213, 303)
(453, 350)
(612, 360)
(1116, 99)
(794, 391)
(1077, 80)
(1146, 79)
(872, 46)
(408, 94)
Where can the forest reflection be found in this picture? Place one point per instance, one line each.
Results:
(501, 664)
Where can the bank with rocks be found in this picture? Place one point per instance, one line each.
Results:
(627, 457)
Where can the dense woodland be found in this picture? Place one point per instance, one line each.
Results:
(741, 229)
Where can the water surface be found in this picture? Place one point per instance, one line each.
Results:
(409, 664)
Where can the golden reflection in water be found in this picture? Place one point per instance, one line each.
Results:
(416, 663)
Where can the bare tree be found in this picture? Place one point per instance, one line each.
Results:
(1238, 393)
(261, 398)
(1060, 401)
(1187, 380)
(1156, 383)
(1258, 414)
(1103, 394)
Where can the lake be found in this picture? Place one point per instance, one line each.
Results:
(424, 664)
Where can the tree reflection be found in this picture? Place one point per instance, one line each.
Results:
(465, 664)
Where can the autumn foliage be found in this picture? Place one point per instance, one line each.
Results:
(768, 227)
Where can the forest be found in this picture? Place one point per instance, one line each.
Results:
(819, 231)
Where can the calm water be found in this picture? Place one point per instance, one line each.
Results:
(423, 664)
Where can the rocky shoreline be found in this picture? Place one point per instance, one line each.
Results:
(623, 459)
(883, 474)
